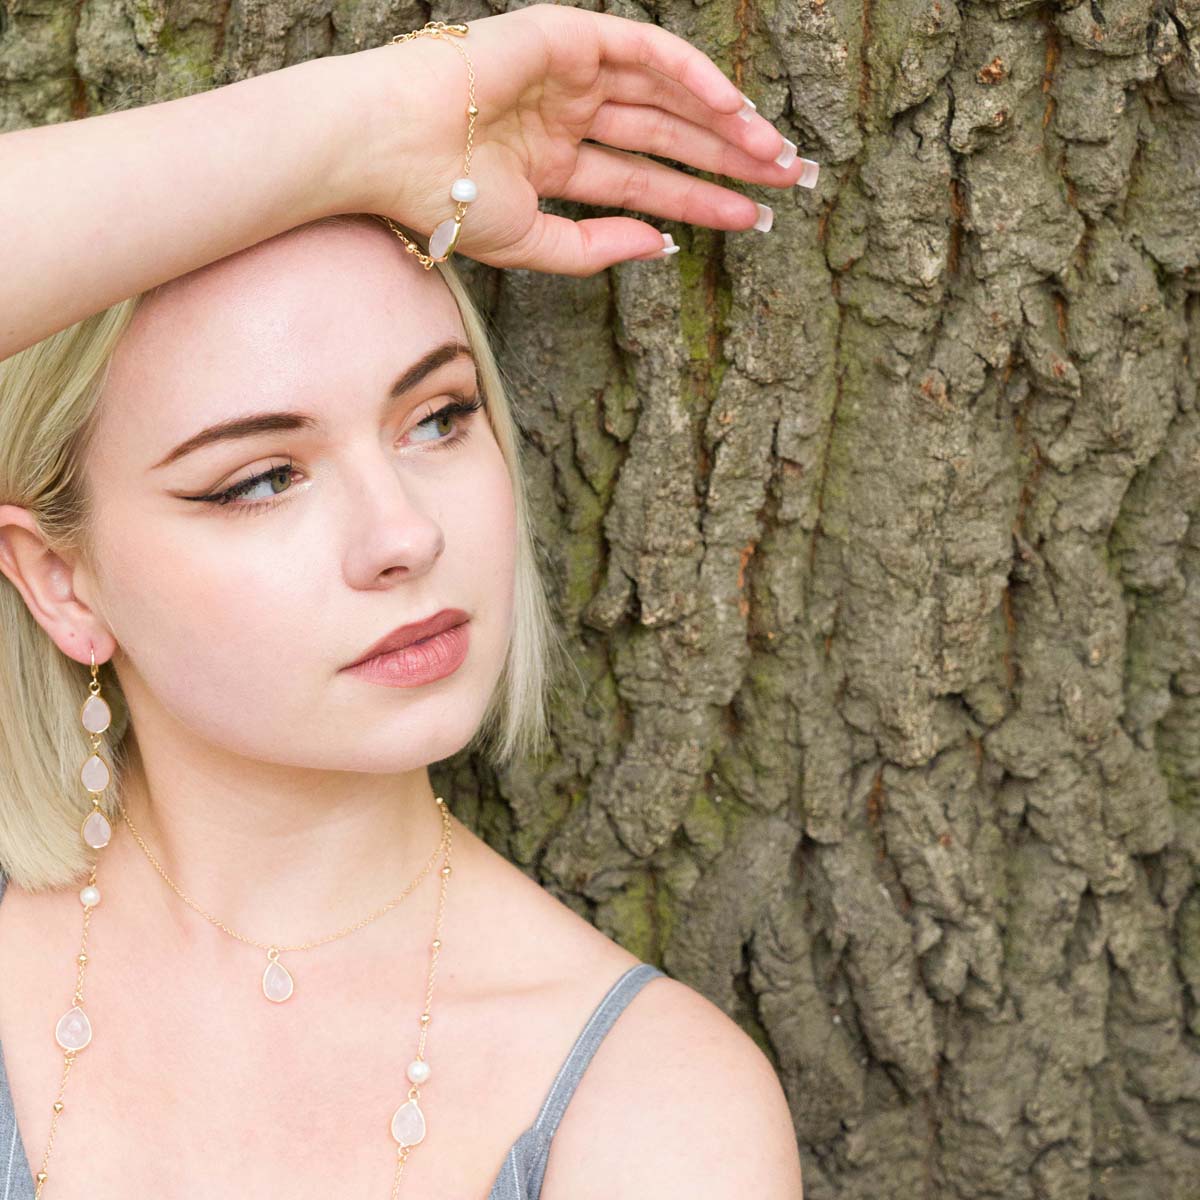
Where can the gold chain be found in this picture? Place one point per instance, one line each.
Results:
(448, 33)
(402, 1152)
(442, 845)
(78, 1026)
(68, 1055)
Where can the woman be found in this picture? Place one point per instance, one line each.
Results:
(202, 322)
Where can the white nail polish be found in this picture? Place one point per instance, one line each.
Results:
(668, 248)
(787, 155)
(748, 109)
(808, 177)
(766, 218)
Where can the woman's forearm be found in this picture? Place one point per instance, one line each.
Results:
(95, 210)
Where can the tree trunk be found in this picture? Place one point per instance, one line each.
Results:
(876, 542)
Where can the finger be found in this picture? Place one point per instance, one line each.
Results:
(561, 246)
(644, 44)
(655, 131)
(612, 178)
(631, 85)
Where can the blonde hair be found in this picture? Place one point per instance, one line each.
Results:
(48, 410)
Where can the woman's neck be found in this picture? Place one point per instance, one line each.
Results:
(276, 859)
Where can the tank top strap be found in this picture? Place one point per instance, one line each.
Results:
(592, 1034)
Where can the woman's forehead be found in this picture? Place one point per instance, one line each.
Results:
(333, 304)
(298, 280)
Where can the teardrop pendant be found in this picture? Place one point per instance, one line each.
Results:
(444, 238)
(277, 982)
(74, 1030)
(408, 1124)
(94, 774)
(95, 715)
(95, 830)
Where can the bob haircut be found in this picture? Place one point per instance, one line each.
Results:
(49, 395)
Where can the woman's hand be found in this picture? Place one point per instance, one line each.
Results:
(547, 77)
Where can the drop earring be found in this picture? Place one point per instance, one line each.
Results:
(74, 1031)
(96, 717)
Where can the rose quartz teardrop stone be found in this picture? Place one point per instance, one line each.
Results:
(440, 238)
(408, 1124)
(97, 832)
(73, 1030)
(277, 982)
(96, 715)
(94, 774)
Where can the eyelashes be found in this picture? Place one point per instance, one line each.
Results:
(460, 410)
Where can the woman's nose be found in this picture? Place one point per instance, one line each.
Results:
(393, 524)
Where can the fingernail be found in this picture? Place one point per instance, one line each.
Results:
(787, 155)
(748, 109)
(766, 218)
(808, 177)
(668, 249)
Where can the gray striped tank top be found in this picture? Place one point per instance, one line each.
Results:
(524, 1166)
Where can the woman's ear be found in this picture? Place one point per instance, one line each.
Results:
(52, 588)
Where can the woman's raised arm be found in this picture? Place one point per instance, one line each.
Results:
(96, 210)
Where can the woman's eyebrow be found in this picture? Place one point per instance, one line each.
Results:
(276, 421)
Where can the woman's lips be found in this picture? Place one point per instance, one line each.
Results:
(414, 631)
(419, 662)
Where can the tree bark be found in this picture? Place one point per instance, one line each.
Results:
(877, 542)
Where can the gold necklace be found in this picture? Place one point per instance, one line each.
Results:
(74, 1029)
(277, 982)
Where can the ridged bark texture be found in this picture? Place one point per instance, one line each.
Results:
(877, 542)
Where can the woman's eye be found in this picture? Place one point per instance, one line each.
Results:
(447, 427)
(274, 481)
(456, 415)
(436, 420)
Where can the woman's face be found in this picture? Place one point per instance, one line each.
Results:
(233, 620)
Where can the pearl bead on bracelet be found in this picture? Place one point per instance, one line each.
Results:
(445, 235)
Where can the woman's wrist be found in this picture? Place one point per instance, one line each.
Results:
(334, 99)
(400, 128)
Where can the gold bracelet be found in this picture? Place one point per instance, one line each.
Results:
(463, 190)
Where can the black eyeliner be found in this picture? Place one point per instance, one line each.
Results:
(460, 406)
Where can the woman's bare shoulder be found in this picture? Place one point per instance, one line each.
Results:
(694, 1103)
(676, 1082)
